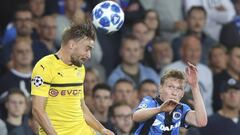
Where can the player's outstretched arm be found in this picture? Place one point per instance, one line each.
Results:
(38, 104)
(198, 117)
(147, 113)
(93, 122)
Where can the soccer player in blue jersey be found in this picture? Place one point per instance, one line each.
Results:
(165, 114)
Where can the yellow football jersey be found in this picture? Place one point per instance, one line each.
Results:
(62, 84)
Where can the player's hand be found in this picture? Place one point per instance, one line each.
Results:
(168, 105)
(191, 74)
(107, 132)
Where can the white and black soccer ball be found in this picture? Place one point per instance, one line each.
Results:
(107, 16)
(37, 81)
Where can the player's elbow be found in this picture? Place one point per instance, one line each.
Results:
(36, 111)
(137, 117)
(202, 122)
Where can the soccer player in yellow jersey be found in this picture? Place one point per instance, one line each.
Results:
(57, 87)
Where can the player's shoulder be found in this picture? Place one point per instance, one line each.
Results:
(49, 59)
(185, 106)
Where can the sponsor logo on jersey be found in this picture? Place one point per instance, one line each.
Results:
(54, 92)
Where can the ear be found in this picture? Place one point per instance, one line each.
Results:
(71, 44)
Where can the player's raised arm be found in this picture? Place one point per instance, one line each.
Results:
(38, 104)
(92, 121)
(197, 117)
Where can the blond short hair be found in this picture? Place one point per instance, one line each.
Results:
(173, 74)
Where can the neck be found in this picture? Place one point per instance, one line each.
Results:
(229, 113)
(23, 69)
(64, 56)
(151, 34)
(131, 69)
(49, 43)
(17, 121)
(216, 69)
(101, 116)
(232, 73)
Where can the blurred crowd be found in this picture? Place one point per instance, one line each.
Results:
(125, 66)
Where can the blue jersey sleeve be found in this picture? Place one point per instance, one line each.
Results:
(186, 109)
(147, 102)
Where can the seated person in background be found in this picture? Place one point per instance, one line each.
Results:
(3, 128)
(226, 120)
(123, 91)
(217, 58)
(92, 78)
(160, 56)
(102, 100)
(131, 68)
(147, 88)
(16, 105)
(19, 75)
(121, 118)
(166, 114)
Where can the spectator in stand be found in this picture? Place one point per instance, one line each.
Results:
(152, 21)
(172, 21)
(219, 12)
(140, 30)
(16, 105)
(232, 71)
(22, 25)
(123, 91)
(37, 7)
(121, 118)
(191, 51)
(147, 88)
(22, 28)
(196, 20)
(130, 68)
(226, 120)
(229, 35)
(92, 78)
(19, 75)
(102, 99)
(71, 9)
(217, 58)
(45, 44)
(133, 11)
(3, 128)
(161, 55)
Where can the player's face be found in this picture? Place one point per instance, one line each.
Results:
(102, 100)
(148, 89)
(81, 51)
(124, 92)
(16, 105)
(231, 99)
(172, 89)
(123, 119)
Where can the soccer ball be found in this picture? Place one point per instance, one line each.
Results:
(107, 16)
